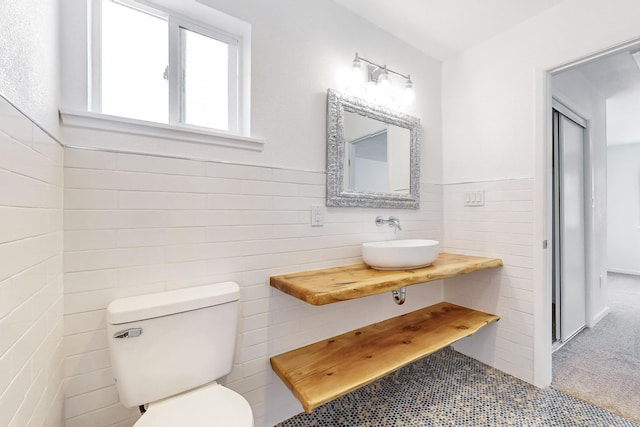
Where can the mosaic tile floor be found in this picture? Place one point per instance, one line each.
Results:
(450, 389)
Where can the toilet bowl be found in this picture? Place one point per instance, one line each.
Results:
(169, 348)
(211, 405)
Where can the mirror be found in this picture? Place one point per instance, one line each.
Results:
(373, 155)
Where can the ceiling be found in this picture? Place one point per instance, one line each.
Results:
(442, 28)
(617, 78)
(613, 75)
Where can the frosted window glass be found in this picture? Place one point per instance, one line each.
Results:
(135, 55)
(206, 81)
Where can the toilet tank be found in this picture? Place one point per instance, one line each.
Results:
(166, 343)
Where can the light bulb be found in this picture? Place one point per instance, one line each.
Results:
(357, 73)
(384, 81)
(356, 79)
(409, 83)
(384, 91)
(357, 66)
(408, 95)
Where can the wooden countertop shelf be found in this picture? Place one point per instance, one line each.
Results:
(319, 287)
(326, 370)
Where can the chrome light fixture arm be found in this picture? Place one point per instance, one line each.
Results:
(379, 69)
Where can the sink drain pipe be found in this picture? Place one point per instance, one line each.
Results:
(399, 295)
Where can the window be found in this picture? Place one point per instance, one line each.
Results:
(154, 65)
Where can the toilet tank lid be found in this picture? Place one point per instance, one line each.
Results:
(132, 309)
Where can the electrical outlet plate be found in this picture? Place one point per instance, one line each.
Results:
(317, 215)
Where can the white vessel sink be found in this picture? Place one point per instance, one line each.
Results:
(400, 254)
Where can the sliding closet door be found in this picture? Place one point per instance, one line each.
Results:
(570, 235)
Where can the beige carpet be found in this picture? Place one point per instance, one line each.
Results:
(602, 365)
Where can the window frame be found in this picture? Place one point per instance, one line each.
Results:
(175, 22)
(176, 109)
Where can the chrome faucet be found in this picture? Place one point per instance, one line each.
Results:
(392, 221)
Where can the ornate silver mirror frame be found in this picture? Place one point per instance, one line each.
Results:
(337, 194)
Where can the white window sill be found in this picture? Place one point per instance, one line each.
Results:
(109, 123)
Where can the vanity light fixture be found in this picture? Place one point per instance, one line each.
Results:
(379, 79)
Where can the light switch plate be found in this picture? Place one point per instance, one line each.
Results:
(474, 198)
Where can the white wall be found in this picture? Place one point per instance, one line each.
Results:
(142, 223)
(299, 50)
(623, 209)
(496, 125)
(503, 228)
(575, 91)
(31, 374)
(29, 54)
(30, 273)
(138, 224)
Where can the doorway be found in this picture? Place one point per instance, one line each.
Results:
(568, 257)
(600, 364)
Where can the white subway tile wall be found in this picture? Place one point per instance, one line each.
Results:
(31, 352)
(503, 227)
(136, 224)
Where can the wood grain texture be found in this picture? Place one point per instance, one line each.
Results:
(329, 285)
(323, 371)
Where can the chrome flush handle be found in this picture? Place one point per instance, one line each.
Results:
(128, 333)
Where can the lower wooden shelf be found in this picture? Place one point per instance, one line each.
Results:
(323, 371)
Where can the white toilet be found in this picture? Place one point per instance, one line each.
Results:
(167, 350)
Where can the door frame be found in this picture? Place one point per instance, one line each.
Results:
(543, 216)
